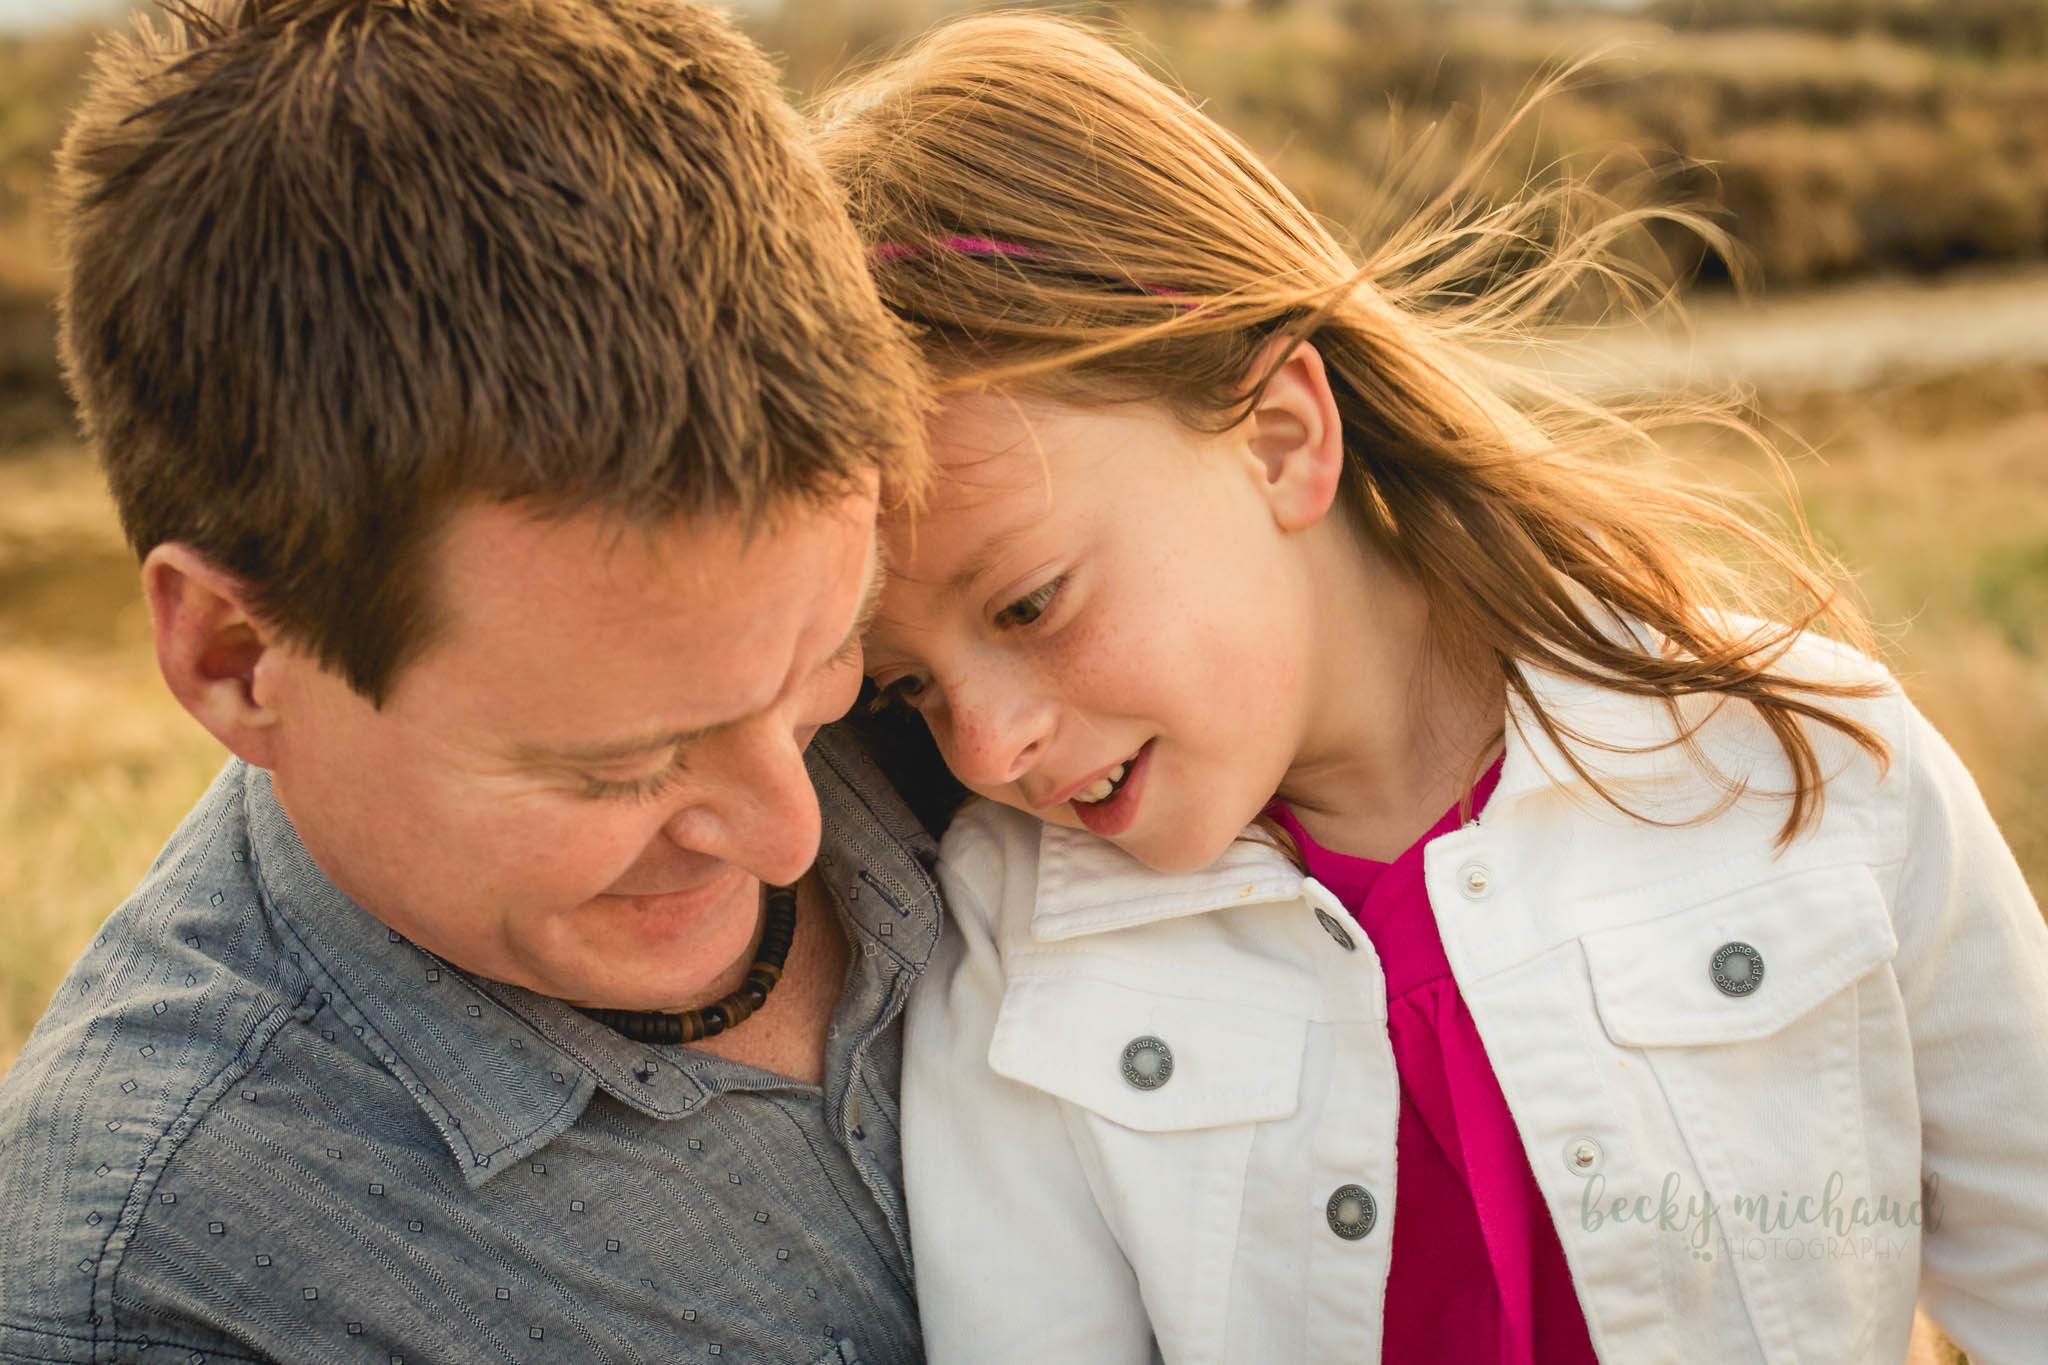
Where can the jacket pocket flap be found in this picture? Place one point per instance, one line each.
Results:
(1149, 1060)
(1813, 933)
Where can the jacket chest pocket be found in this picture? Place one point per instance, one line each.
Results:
(1148, 1059)
(1741, 968)
(1773, 1034)
(1162, 1095)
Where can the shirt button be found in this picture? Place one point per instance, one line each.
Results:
(1147, 1062)
(1351, 1211)
(1582, 1156)
(1737, 969)
(1475, 881)
(1335, 930)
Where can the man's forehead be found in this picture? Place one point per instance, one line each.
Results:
(646, 643)
(491, 547)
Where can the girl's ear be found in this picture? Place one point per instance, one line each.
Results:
(1294, 434)
(216, 655)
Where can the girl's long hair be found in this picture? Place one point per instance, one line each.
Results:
(1047, 216)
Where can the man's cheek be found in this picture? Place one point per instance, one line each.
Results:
(570, 859)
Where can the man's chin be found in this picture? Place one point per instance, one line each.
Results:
(668, 951)
(705, 909)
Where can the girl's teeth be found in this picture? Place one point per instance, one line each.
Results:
(1102, 787)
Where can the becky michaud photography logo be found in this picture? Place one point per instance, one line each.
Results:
(1824, 1224)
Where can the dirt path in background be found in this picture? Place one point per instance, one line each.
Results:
(1844, 338)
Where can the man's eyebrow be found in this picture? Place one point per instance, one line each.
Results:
(615, 750)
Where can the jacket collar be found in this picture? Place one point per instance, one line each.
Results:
(502, 1071)
(1632, 745)
(1628, 743)
(1087, 885)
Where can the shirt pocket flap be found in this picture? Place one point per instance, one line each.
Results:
(1815, 932)
(1146, 1059)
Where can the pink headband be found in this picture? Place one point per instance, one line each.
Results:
(966, 246)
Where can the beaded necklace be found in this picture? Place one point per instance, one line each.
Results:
(688, 1026)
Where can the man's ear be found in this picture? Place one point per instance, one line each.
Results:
(1294, 433)
(216, 655)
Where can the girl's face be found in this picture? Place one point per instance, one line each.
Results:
(1107, 618)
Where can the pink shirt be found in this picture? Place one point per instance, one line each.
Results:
(1477, 1271)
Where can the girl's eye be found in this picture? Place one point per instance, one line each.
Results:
(904, 691)
(1031, 606)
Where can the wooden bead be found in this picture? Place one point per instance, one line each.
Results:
(688, 1026)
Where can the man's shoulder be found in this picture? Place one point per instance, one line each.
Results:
(876, 853)
(174, 983)
(176, 976)
(179, 991)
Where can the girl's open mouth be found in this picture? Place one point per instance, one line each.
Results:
(1109, 804)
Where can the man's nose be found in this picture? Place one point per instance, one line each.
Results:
(767, 821)
(996, 728)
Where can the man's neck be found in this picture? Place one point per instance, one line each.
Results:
(787, 1034)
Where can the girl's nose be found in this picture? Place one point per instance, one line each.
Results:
(994, 730)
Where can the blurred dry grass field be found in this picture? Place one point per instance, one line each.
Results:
(1935, 494)
(1837, 137)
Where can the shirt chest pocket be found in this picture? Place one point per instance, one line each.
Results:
(1776, 1042)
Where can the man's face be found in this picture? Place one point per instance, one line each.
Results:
(580, 786)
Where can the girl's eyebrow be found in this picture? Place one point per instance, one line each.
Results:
(985, 554)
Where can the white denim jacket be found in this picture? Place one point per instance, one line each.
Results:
(1899, 1031)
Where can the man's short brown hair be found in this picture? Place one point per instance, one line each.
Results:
(336, 265)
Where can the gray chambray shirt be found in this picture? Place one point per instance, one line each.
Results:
(257, 1124)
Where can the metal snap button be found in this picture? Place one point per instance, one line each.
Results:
(1351, 1211)
(1475, 881)
(1335, 930)
(1582, 1156)
(1147, 1062)
(1737, 969)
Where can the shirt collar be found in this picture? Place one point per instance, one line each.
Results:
(502, 1071)
(875, 856)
